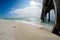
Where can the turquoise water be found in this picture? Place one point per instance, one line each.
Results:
(34, 20)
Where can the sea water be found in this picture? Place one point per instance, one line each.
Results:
(34, 21)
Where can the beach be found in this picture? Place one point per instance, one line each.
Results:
(13, 30)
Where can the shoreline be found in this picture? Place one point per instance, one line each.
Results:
(12, 30)
(47, 26)
(38, 25)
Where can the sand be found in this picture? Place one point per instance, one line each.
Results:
(12, 30)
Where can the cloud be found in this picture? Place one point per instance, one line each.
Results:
(28, 11)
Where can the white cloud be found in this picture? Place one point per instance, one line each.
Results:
(29, 11)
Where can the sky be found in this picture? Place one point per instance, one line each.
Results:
(20, 8)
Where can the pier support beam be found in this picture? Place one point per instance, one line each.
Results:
(49, 17)
(56, 28)
(42, 15)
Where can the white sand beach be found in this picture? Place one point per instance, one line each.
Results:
(12, 30)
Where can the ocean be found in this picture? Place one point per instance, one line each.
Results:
(34, 21)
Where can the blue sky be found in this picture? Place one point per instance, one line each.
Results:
(19, 8)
